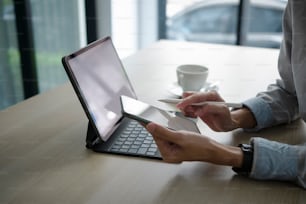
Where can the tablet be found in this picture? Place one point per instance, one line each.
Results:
(99, 79)
(145, 113)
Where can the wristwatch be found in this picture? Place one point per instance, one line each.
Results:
(247, 162)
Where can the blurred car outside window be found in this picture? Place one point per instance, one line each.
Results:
(215, 21)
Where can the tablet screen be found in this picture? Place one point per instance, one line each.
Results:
(99, 79)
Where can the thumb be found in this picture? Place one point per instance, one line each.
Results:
(163, 133)
(151, 127)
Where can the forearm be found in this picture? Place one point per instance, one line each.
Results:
(243, 118)
(226, 155)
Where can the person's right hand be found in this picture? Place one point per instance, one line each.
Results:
(217, 117)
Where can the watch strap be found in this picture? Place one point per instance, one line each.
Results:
(247, 162)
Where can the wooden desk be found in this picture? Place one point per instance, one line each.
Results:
(43, 158)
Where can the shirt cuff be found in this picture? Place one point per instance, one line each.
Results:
(261, 111)
(274, 160)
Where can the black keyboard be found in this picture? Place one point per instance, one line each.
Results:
(135, 139)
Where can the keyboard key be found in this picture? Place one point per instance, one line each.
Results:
(142, 150)
(114, 150)
(135, 132)
(139, 139)
(147, 141)
(128, 143)
(137, 142)
(125, 146)
(116, 146)
(145, 145)
(143, 135)
(131, 139)
(132, 135)
(123, 150)
(150, 153)
(118, 143)
(135, 146)
(133, 151)
(124, 135)
(152, 149)
(154, 145)
(121, 139)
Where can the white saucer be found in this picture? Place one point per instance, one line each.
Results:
(176, 90)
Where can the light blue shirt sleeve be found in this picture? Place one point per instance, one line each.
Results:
(278, 161)
(261, 111)
(274, 160)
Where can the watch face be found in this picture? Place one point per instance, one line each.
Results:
(246, 147)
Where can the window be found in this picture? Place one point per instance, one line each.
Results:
(217, 21)
(11, 89)
(203, 21)
(58, 29)
(213, 19)
(265, 20)
(264, 27)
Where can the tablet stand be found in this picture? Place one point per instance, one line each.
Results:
(92, 139)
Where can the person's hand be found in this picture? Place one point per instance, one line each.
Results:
(179, 146)
(217, 117)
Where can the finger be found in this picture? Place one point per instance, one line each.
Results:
(208, 109)
(188, 100)
(168, 149)
(199, 97)
(160, 132)
(214, 109)
(187, 93)
(189, 111)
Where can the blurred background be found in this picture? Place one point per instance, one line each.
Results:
(35, 34)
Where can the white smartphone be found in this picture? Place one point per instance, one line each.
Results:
(145, 113)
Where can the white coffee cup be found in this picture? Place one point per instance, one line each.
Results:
(191, 77)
